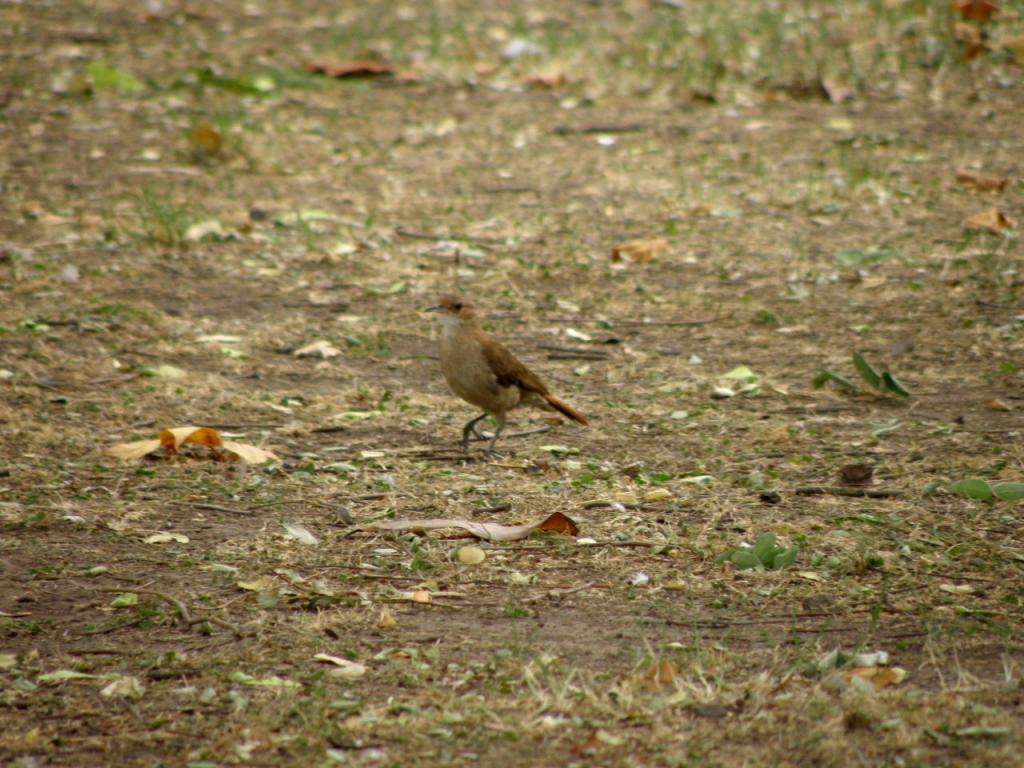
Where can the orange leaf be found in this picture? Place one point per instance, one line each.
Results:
(206, 139)
(981, 180)
(976, 10)
(970, 37)
(588, 747)
(359, 68)
(559, 523)
(992, 220)
(638, 251)
(172, 439)
(879, 677)
(659, 675)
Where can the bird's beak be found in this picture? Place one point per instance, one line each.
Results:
(435, 308)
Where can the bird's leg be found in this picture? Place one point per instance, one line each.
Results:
(470, 429)
(499, 421)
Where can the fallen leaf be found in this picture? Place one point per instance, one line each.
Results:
(549, 79)
(957, 589)
(63, 675)
(206, 139)
(1015, 45)
(302, 533)
(8, 661)
(262, 584)
(639, 251)
(321, 348)
(557, 523)
(992, 220)
(998, 405)
(250, 454)
(837, 92)
(357, 68)
(210, 229)
(976, 10)
(659, 676)
(344, 667)
(879, 677)
(981, 180)
(163, 537)
(420, 596)
(387, 620)
(588, 747)
(658, 494)
(127, 687)
(969, 36)
(263, 682)
(170, 440)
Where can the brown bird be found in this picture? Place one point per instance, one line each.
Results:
(482, 372)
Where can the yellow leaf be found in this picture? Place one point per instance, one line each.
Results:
(639, 251)
(250, 454)
(992, 220)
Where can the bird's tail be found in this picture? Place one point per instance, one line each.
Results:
(566, 409)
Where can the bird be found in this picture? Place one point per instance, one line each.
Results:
(480, 370)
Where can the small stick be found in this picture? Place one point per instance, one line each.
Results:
(871, 493)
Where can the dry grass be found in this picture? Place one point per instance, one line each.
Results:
(799, 231)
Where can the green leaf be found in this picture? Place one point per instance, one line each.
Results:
(972, 489)
(764, 547)
(785, 559)
(1008, 491)
(889, 384)
(108, 78)
(741, 373)
(391, 290)
(855, 257)
(125, 600)
(824, 376)
(869, 374)
(745, 559)
(861, 518)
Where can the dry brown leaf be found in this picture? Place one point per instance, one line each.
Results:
(321, 348)
(639, 251)
(588, 747)
(976, 10)
(879, 677)
(206, 139)
(557, 523)
(548, 79)
(981, 180)
(1015, 45)
(358, 68)
(969, 36)
(170, 440)
(837, 92)
(659, 676)
(992, 220)
(998, 405)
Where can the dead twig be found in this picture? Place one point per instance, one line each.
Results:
(871, 493)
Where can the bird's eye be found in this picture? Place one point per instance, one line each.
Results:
(457, 307)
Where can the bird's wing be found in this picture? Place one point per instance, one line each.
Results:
(510, 372)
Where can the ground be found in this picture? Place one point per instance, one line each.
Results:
(190, 197)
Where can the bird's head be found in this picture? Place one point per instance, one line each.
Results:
(453, 309)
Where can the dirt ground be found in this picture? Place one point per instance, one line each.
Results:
(192, 193)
